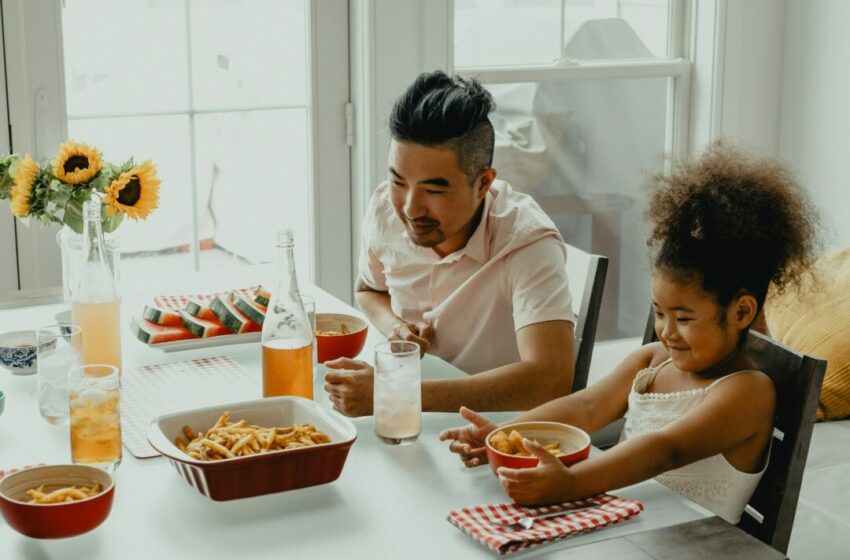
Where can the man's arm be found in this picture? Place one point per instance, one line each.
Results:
(378, 308)
(376, 305)
(544, 372)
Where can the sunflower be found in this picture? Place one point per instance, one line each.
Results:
(134, 193)
(76, 163)
(25, 178)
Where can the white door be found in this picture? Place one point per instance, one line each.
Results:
(240, 104)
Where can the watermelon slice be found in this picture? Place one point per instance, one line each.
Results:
(202, 327)
(200, 309)
(251, 309)
(162, 316)
(262, 296)
(152, 333)
(231, 317)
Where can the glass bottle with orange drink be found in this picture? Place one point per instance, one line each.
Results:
(287, 332)
(95, 305)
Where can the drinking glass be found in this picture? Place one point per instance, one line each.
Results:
(398, 392)
(59, 349)
(95, 420)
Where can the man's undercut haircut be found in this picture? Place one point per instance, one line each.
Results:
(444, 111)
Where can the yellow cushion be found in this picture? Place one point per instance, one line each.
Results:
(816, 321)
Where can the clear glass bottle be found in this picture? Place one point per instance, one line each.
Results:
(95, 304)
(287, 334)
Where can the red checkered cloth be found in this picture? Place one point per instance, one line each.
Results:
(482, 523)
(179, 302)
(14, 469)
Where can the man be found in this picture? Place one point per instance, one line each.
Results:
(458, 262)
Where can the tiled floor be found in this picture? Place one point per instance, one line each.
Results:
(822, 525)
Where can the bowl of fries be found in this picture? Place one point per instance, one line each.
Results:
(505, 449)
(255, 447)
(339, 336)
(56, 501)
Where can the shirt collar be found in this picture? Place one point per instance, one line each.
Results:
(477, 246)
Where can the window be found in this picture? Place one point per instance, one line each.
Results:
(243, 116)
(590, 95)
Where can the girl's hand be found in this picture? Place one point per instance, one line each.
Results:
(468, 441)
(550, 482)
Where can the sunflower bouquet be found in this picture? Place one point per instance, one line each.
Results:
(54, 192)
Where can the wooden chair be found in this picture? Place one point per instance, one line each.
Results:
(586, 274)
(769, 515)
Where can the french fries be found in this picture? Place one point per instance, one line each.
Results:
(343, 329)
(512, 444)
(64, 494)
(227, 439)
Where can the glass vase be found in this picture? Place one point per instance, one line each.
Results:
(71, 245)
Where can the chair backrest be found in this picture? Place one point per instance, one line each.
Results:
(586, 274)
(769, 515)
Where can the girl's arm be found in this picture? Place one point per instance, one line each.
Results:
(590, 409)
(734, 412)
(595, 407)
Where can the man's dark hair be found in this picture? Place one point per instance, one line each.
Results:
(439, 110)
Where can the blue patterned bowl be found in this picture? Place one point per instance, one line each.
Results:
(18, 352)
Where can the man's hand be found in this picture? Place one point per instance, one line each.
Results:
(350, 385)
(550, 482)
(468, 441)
(420, 333)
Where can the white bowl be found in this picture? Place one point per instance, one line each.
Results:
(18, 352)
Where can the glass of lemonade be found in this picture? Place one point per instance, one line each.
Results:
(95, 420)
(398, 392)
(59, 350)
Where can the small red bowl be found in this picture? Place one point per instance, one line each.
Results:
(55, 521)
(575, 443)
(342, 345)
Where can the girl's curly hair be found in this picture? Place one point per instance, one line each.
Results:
(733, 222)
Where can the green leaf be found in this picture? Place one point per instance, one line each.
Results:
(110, 223)
(74, 215)
(59, 197)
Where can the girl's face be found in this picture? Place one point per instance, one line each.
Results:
(689, 325)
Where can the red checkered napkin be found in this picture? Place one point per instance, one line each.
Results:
(482, 523)
(179, 301)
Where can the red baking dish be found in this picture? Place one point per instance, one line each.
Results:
(262, 473)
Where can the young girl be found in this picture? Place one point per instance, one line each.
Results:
(699, 416)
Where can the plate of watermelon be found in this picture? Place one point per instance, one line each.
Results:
(187, 322)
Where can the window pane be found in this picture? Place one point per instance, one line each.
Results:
(214, 86)
(583, 150)
(531, 32)
(124, 57)
(252, 181)
(248, 54)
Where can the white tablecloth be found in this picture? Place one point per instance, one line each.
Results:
(390, 502)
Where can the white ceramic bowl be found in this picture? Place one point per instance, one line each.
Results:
(18, 352)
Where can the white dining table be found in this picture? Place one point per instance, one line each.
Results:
(389, 502)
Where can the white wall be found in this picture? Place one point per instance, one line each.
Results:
(752, 73)
(815, 114)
